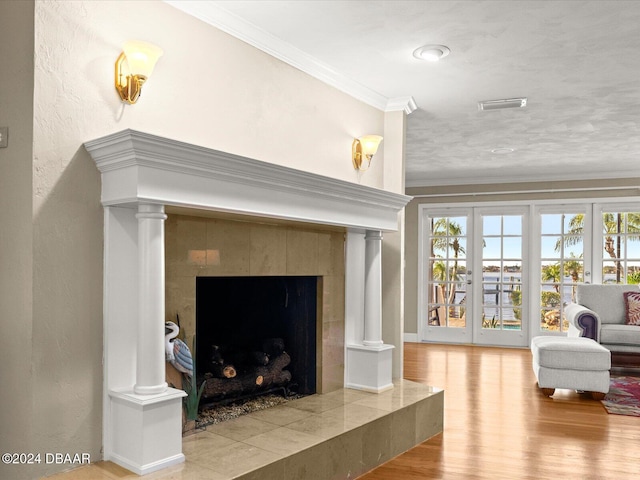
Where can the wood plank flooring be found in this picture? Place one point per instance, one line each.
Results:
(498, 425)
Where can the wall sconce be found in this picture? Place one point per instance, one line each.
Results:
(141, 58)
(365, 146)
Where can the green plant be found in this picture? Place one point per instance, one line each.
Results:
(633, 278)
(493, 323)
(516, 301)
(550, 299)
(192, 400)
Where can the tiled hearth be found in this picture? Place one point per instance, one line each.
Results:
(339, 435)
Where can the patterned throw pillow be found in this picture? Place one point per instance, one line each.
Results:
(632, 305)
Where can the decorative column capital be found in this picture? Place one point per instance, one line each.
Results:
(151, 210)
(373, 235)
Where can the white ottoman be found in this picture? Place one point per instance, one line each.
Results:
(576, 363)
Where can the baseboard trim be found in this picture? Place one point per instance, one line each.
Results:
(411, 337)
(149, 467)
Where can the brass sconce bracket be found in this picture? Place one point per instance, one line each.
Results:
(356, 155)
(129, 91)
(363, 149)
(141, 57)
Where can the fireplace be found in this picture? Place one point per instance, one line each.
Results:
(244, 325)
(146, 177)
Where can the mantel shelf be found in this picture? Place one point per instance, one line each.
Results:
(139, 167)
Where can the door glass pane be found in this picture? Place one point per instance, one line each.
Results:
(549, 247)
(633, 272)
(512, 225)
(502, 272)
(492, 247)
(609, 272)
(551, 224)
(633, 247)
(491, 225)
(561, 266)
(512, 247)
(621, 244)
(447, 272)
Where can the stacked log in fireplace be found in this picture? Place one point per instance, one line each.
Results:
(235, 372)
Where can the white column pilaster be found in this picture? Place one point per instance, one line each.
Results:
(368, 362)
(150, 366)
(373, 288)
(142, 429)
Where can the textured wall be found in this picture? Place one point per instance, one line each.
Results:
(67, 239)
(208, 89)
(16, 112)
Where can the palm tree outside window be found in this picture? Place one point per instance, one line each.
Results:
(447, 265)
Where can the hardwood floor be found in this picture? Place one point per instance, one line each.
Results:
(497, 425)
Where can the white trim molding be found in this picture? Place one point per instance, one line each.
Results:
(410, 337)
(137, 167)
(406, 104)
(140, 442)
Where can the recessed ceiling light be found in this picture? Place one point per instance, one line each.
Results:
(503, 150)
(504, 103)
(431, 53)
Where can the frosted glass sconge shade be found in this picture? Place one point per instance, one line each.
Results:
(141, 58)
(362, 148)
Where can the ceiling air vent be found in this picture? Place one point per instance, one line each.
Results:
(504, 103)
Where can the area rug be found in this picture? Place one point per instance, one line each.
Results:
(623, 397)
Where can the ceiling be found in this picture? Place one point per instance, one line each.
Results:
(577, 62)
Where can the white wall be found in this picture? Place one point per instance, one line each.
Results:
(208, 89)
(393, 243)
(16, 112)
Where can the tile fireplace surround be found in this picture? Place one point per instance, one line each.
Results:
(143, 177)
(224, 247)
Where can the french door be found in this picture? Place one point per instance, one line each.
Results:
(473, 268)
(501, 288)
(446, 299)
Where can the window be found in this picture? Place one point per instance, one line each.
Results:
(502, 272)
(621, 247)
(561, 265)
(447, 269)
(528, 257)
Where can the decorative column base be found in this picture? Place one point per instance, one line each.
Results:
(369, 367)
(146, 430)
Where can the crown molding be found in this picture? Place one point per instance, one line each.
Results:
(139, 167)
(425, 180)
(217, 16)
(406, 104)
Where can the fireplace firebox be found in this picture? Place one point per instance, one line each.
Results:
(249, 329)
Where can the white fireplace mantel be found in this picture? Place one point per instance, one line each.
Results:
(141, 175)
(138, 167)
